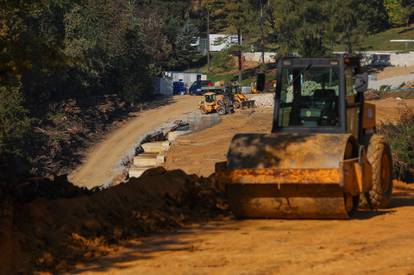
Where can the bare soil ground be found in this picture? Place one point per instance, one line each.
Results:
(200, 236)
(394, 71)
(373, 243)
(388, 110)
(100, 163)
(198, 152)
(379, 242)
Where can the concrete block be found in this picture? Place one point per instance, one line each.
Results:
(144, 160)
(136, 172)
(161, 159)
(156, 147)
(175, 134)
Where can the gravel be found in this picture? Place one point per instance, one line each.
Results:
(263, 100)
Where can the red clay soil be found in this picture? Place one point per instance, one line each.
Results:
(55, 234)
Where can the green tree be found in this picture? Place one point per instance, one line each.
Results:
(184, 53)
(348, 27)
(105, 42)
(14, 120)
(395, 12)
(407, 10)
(164, 25)
(217, 13)
(301, 26)
(313, 28)
(399, 11)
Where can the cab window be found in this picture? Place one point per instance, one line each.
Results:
(309, 98)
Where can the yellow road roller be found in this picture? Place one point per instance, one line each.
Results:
(323, 158)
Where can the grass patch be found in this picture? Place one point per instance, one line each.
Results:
(381, 41)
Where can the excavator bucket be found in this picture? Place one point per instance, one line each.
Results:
(294, 176)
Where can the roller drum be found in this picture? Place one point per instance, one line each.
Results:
(289, 176)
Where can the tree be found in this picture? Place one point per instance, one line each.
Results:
(238, 20)
(217, 13)
(14, 121)
(300, 26)
(399, 11)
(313, 28)
(162, 22)
(407, 11)
(105, 42)
(347, 26)
(184, 52)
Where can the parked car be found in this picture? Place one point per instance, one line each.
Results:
(197, 88)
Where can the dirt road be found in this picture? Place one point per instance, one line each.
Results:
(100, 164)
(379, 242)
(376, 243)
(198, 152)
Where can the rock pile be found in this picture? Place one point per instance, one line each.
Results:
(263, 100)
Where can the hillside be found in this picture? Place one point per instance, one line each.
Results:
(381, 41)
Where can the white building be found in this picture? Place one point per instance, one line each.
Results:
(218, 42)
(186, 77)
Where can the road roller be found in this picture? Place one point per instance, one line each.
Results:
(323, 158)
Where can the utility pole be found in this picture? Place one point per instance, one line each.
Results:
(262, 34)
(208, 39)
(240, 55)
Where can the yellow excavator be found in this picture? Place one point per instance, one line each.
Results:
(323, 158)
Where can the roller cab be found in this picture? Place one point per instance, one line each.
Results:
(316, 162)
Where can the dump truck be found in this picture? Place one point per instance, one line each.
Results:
(323, 158)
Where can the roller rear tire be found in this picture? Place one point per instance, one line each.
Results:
(379, 155)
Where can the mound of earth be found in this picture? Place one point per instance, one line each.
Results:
(53, 234)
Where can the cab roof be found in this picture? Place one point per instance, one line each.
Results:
(209, 93)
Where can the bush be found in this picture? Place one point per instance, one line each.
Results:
(14, 127)
(14, 122)
(401, 139)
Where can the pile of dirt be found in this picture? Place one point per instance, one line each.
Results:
(53, 235)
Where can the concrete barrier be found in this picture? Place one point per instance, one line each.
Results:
(145, 160)
(136, 172)
(156, 147)
(161, 159)
(174, 135)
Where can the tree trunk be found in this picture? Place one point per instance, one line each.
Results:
(349, 42)
(240, 56)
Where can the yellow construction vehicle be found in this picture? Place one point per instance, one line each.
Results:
(253, 88)
(241, 101)
(323, 157)
(216, 103)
